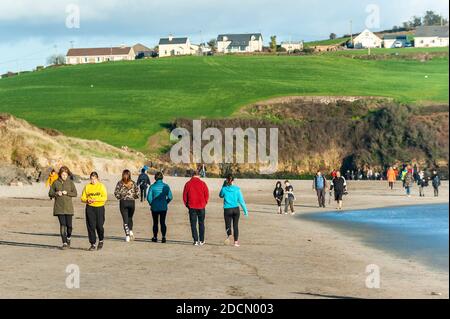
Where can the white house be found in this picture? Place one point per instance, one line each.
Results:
(239, 43)
(176, 46)
(367, 39)
(431, 36)
(292, 46)
(99, 55)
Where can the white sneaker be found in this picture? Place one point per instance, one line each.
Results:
(128, 239)
(196, 243)
(227, 241)
(132, 235)
(292, 214)
(236, 244)
(202, 243)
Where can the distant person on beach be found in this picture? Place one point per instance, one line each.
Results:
(391, 177)
(52, 177)
(143, 182)
(95, 197)
(408, 180)
(159, 196)
(422, 183)
(202, 171)
(403, 175)
(320, 185)
(289, 198)
(63, 190)
(436, 182)
(278, 194)
(195, 198)
(127, 192)
(232, 199)
(339, 185)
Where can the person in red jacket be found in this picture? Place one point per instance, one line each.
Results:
(195, 198)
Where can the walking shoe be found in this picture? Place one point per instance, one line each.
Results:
(128, 239)
(236, 244)
(227, 241)
(68, 241)
(65, 246)
(100, 245)
(202, 243)
(154, 240)
(92, 248)
(131, 235)
(164, 240)
(196, 243)
(292, 214)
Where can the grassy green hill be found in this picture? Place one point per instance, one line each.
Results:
(124, 103)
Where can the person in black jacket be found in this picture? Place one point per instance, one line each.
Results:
(436, 182)
(143, 182)
(278, 194)
(339, 185)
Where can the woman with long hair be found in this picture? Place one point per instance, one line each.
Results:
(278, 194)
(95, 197)
(62, 191)
(127, 191)
(232, 199)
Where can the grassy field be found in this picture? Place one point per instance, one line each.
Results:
(388, 51)
(126, 102)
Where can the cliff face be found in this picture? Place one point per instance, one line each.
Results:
(331, 133)
(33, 149)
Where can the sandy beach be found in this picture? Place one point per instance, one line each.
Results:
(281, 256)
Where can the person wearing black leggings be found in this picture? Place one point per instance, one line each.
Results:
(232, 199)
(127, 192)
(62, 191)
(159, 196)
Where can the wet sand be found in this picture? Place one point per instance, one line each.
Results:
(281, 256)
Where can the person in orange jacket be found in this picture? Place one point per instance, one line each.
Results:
(391, 177)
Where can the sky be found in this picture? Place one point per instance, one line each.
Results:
(32, 30)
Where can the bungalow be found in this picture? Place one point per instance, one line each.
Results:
(142, 51)
(431, 36)
(99, 55)
(367, 39)
(292, 46)
(240, 43)
(391, 40)
(176, 46)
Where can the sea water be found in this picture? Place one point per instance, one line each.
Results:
(418, 233)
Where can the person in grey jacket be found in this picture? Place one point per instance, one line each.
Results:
(62, 191)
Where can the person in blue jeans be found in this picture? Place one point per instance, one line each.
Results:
(159, 196)
(319, 185)
(232, 199)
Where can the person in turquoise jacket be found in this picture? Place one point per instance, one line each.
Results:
(159, 196)
(232, 199)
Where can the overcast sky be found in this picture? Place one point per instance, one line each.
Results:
(31, 30)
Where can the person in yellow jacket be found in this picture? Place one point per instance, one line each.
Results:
(95, 196)
(53, 177)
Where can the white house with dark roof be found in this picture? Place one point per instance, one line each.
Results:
(176, 46)
(431, 36)
(99, 55)
(240, 43)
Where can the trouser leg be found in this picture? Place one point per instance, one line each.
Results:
(63, 228)
(236, 216)
(201, 224)
(162, 220)
(193, 220)
(91, 224)
(100, 223)
(227, 214)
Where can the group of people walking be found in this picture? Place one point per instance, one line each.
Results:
(158, 195)
(411, 176)
(338, 186)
